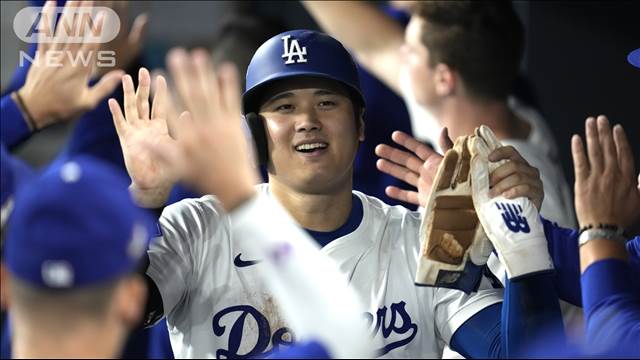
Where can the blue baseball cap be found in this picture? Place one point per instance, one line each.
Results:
(75, 226)
(299, 53)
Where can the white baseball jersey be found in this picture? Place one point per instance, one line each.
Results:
(216, 306)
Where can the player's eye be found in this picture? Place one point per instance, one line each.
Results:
(327, 104)
(284, 108)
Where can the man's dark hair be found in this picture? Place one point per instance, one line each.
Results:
(238, 36)
(482, 40)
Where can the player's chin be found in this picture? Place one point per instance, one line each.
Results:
(316, 182)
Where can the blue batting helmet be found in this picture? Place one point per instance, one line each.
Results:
(299, 53)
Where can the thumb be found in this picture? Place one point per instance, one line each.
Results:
(444, 141)
(137, 31)
(105, 86)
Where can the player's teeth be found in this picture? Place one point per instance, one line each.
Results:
(311, 146)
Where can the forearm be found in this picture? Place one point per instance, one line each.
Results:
(601, 249)
(309, 287)
(372, 37)
(530, 310)
(563, 248)
(611, 304)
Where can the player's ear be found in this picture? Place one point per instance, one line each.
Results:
(129, 299)
(444, 79)
(4, 287)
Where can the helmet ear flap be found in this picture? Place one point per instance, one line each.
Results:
(259, 134)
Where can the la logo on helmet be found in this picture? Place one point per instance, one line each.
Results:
(292, 49)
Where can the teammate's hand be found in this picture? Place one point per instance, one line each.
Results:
(212, 152)
(515, 178)
(606, 188)
(418, 168)
(60, 93)
(128, 42)
(151, 179)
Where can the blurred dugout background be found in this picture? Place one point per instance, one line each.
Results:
(575, 60)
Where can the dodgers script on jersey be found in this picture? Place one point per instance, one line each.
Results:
(216, 306)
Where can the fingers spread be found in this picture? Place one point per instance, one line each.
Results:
(159, 108)
(181, 71)
(130, 107)
(137, 30)
(444, 141)
(118, 118)
(419, 149)
(407, 196)
(593, 146)
(142, 95)
(397, 171)
(230, 89)
(46, 32)
(580, 161)
(623, 149)
(607, 145)
(399, 157)
(105, 86)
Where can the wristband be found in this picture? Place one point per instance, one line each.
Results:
(25, 112)
(587, 234)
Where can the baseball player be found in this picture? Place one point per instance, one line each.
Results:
(305, 109)
(70, 258)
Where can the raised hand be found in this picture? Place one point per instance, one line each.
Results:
(606, 189)
(128, 43)
(60, 93)
(418, 167)
(212, 152)
(151, 179)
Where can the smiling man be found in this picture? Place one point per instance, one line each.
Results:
(305, 110)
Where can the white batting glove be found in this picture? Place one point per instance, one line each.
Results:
(513, 225)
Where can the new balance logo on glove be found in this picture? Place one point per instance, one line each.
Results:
(512, 216)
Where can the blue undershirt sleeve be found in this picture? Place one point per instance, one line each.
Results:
(563, 248)
(530, 309)
(14, 128)
(611, 307)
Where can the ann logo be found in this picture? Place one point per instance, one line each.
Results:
(512, 216)
(292, 49)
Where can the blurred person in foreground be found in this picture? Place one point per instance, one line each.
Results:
(71, 256)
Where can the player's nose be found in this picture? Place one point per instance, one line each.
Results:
(307, 120)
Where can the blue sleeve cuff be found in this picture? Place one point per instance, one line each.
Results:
(14, 128)
(604, 279)
(563, 248)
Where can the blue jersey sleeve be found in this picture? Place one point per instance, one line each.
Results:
(14, 128)
(530, 309)
(563, 248)
(95, 135)
(611, 306)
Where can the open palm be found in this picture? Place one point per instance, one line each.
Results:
(140, 127)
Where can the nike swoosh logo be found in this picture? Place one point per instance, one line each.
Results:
(241, 263)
